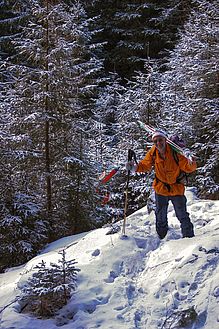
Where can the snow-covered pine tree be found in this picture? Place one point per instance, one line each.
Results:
(65, 273)
(141, 101)
(105, 152)
(12, 16)
(170, 17)
(127, 30)
(22, 231)
(50, 286)
(136, 30)
(190, 98)
(120, 107)
(80, 161)
(50, 101)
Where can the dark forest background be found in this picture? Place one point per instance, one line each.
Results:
(75, 76)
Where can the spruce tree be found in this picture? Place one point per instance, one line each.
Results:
(54, 84)
(50, 286)
(23, 233)
(189, 95)
(46, 105)
(13, 15)
(136, 30)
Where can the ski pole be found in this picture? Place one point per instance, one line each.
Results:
(131, 155)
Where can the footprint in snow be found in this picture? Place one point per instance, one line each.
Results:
(96, 252)
(112, 276)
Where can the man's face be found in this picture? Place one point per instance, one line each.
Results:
(160, 143)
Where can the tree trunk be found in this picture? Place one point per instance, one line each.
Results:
(47, 129)
(48, 171)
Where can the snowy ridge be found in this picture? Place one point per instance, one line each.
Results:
(137, 282)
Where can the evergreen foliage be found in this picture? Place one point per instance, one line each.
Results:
(54, 84)
(189, 92)
(119, 108)
(50, 287)
(22, 231)
(13, 15)
(74, 79)
(137, 30)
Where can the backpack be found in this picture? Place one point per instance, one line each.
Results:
(177, 140)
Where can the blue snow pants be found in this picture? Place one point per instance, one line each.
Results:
(179, 204)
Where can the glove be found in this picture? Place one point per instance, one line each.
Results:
(131, 166)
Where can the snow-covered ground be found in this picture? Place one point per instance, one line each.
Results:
(133, 282)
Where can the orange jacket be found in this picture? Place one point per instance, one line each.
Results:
(166, 170)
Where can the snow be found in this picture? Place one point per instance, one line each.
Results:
(131, 282)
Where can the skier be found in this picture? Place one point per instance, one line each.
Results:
(167, 183)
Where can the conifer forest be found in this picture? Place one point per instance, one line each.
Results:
(75, 76)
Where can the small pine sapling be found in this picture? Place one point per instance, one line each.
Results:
(50, 287)
(64, 276)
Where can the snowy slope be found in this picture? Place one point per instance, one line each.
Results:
(137, 282)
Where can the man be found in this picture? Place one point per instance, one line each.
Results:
(166, 184)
